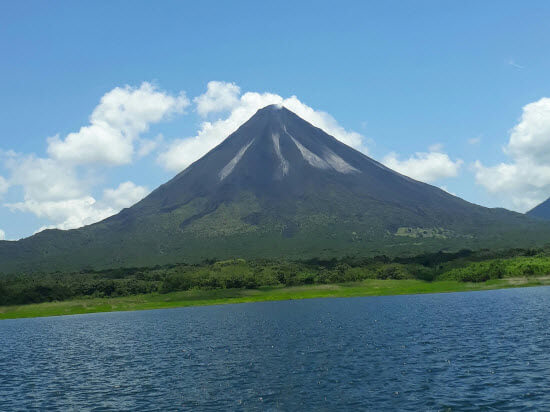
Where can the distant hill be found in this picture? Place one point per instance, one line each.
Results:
(541, 211)
(277, 187)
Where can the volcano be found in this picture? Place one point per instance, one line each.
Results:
(278, 187)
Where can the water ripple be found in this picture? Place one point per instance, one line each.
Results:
(461, 351)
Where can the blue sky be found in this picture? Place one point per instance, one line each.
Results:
(463, 83)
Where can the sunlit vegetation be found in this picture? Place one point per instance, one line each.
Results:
(239, 274)
(200, 297)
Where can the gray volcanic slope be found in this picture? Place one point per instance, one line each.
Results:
(277, 187)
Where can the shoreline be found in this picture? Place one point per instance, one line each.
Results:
(370, 287)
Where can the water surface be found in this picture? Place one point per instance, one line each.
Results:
(459, 351)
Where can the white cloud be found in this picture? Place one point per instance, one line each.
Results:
(58, 188)
(115, 124)
(225, 96)
(53, 191)
(219, 96)
(474, 141)
(530, 138)
(524, 181)
(125, 195)
(72, 213)
(66, 213)
(2, 235)
(45, 179)
(426, 167)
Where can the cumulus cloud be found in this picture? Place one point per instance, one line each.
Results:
(530, 138)
(75, 212)
(225, 96)
(115, 124)
(59, 188)
(219, 96)
(2, 235)
(125, 195)
(523, 181)
(66, 213)
(426, 167)
(54, 191)
(44, 179)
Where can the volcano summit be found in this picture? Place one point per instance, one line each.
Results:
(277, 187)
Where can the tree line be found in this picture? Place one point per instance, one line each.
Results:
(464, 265)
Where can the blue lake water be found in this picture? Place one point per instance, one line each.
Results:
(459, 351)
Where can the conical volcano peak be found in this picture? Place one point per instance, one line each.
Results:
(278, 186)
(282, 144)
(275, 107)
(273, 114)
(277, 113)
(282, 167)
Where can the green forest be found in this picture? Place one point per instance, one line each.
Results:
(462, 266)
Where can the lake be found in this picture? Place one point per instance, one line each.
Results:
(458, 351)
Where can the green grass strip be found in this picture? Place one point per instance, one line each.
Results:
(371, 287)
